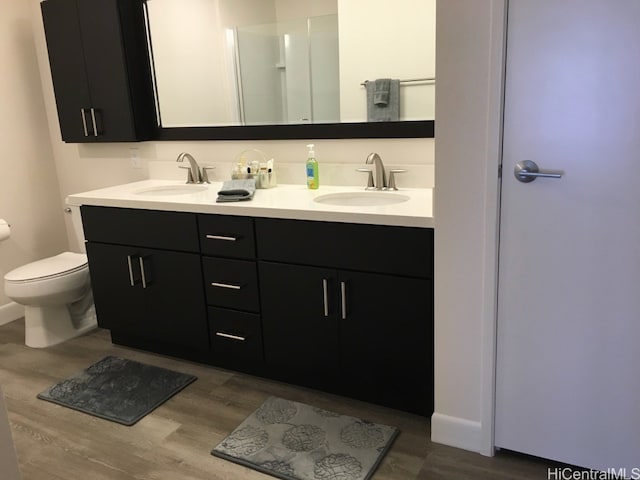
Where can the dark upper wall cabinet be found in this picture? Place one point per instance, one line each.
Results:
(100, 69)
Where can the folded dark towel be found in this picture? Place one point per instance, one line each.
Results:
(237, 190)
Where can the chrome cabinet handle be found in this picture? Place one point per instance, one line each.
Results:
(226, 285)
(142, 272)
(232, 337)
(343, 294)
(93, 122)
(527, 171)
(131, 281)
(84, 122)
(221, 237)
(325, 297)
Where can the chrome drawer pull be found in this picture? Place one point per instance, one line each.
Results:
(221, 237)
(226, 285)
(133, 284)
(325, 297)
(232, 337)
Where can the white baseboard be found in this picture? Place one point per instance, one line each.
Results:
(10, 312)
(456, 432)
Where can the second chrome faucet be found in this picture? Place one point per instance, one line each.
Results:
(196, 174)
(380, 182)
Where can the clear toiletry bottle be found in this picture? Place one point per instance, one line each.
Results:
(313, 180)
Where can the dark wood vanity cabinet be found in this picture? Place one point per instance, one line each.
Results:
(362, 328)
(366, 335)
(142, 292)
(100, 69)
(341, 307)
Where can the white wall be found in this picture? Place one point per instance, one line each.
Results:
(191, 47)
(470, 35)
(29, 194)
(179, 30)
(382, 44)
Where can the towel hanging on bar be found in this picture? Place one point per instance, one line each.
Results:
(379, 108)
(381, 92)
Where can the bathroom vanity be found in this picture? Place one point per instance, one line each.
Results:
(338, 298)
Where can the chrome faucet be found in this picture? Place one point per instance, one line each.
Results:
(195, 175)
(380, 176)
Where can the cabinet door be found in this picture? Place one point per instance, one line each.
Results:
(116, 284)
(147, 293)
(106, 71)
(100, 69)
(66, 58)
(386, 339)
(299, 319)
(175, 307)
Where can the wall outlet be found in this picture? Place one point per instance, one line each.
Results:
(135, 158)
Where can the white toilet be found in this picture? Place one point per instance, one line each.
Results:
(56, 294)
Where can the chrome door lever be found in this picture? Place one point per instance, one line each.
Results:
(527, 171)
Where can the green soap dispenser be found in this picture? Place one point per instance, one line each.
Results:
(313, 179)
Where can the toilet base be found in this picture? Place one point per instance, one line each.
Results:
(50, 325)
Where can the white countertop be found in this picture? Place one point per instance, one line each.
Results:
(283, 201)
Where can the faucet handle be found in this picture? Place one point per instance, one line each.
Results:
(369, 178)
(205, 175)
(189, 174)
(392, 178)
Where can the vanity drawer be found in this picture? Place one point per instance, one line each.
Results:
(231, 283)
(235, 334)
(406, 251)
(141, 228)
(226, 236)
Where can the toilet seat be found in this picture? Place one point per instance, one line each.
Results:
(53, 267)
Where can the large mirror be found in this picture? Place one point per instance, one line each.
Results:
(293, 68)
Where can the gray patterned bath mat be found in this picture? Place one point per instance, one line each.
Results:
(294, 441)
(117, 389)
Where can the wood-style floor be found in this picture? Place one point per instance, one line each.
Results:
(174, 441)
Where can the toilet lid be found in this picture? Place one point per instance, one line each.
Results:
(56, 266)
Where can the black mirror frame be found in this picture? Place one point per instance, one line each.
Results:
(405, 129)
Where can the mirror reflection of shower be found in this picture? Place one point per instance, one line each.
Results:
(287, 72)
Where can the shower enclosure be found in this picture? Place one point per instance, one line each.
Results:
(287, 72)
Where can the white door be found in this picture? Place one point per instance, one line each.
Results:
(568, 364)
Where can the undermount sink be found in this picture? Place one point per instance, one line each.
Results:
(171, 190)
(361, 199)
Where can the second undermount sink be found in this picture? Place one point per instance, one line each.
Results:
(162, 190)
(361, 199)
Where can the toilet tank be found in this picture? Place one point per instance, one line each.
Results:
(76, 221)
